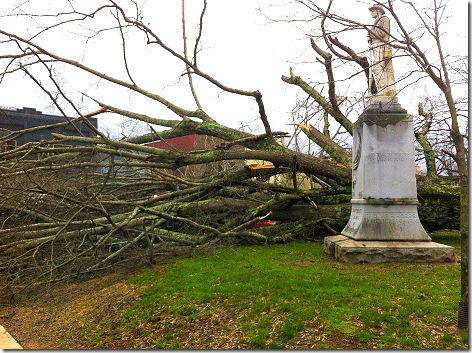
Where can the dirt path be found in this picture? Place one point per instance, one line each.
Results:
(52, 321)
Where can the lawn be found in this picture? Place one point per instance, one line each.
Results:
(286, 296)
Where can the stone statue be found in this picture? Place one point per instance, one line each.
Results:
(382, 64)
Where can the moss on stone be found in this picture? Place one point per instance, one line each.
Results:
(382, 120)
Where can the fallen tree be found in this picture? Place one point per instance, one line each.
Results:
(72, 211)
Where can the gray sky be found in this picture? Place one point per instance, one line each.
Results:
(241, 48)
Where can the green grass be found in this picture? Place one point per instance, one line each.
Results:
(279, 292)
(92, 337)
(448, 237)
(169, 341)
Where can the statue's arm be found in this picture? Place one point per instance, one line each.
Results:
(385, 27)
(382, 29)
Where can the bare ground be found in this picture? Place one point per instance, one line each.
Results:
(57, 321)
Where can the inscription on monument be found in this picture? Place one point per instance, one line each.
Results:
(403, 217)
(351, 228)
(387, 157)
(355, 220)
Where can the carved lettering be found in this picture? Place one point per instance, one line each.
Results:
(404, 217)
(387, 157)
(351, 229)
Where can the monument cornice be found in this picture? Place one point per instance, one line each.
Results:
(383, 114)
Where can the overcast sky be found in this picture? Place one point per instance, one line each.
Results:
(241, 47)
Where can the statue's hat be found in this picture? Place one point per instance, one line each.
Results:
(377, 7)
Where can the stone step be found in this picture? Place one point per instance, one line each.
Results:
(344, 249)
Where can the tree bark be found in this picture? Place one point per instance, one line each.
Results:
(421, 137)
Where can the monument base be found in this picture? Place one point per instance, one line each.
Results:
(344, 249)
(381, 99)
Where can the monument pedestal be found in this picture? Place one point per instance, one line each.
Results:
(384, 225)
(344, 249)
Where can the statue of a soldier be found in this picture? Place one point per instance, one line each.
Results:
(379, 44)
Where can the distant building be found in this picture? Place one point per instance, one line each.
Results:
(187, 143)
(203, 142)
(196, 143)
(14, 119)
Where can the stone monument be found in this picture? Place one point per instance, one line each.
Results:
(384, 225)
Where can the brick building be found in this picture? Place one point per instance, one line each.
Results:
(15, 119)
(196, 143)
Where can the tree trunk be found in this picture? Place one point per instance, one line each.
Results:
(428, 156)
(463, 182)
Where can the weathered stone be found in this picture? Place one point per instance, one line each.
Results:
(387, 220)
(379, 42)
(381, 99)
(330, 242)
(352, 251)
(384, 225)
(384, 203)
